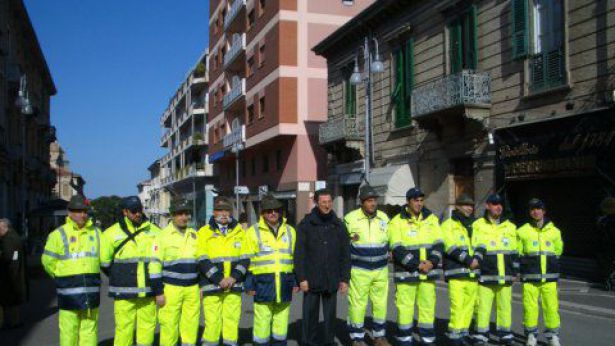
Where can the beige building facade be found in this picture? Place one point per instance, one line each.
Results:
(476, 97)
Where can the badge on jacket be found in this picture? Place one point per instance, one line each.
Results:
(237, 245)
(73, 239)
(91, 238)
(548, 243)
(193, 235)
(355, 237)
(462, 237)
(505, 241)
(285, 238)
(535, 243)
(383, 225)
(412, 233)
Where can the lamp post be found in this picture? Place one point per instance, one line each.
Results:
(25, 108)
(237, 147)
(372, 64)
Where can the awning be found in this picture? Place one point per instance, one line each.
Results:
(216, 156)
(391, 182)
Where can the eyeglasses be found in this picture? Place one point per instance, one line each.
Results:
(271, 211)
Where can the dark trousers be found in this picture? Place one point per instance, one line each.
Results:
(311, 307)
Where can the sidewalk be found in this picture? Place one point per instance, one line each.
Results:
(575, 296)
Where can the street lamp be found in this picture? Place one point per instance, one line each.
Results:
(235, 149)
(25, 107)
(372, 64)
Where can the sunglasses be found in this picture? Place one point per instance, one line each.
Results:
(271, 211)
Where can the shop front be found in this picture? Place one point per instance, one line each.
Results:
(568, 162)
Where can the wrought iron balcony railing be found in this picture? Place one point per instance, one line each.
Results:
(337, 129)
(466, 88)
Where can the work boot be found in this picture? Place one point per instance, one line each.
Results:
(381, 341)
(531, 340)
(554, 341)
(359, 343)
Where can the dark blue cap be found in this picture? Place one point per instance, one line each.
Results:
(414, 192)
(495, 199)
(132, 203)
(536, 203)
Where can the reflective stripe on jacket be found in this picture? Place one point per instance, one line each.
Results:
(415, 239)
(271, 262)
(495, 246)
(369, 238)
(174, 259)
(72, 258)
(540, 249)
(458, 251)
(222, 255)
(129, 276)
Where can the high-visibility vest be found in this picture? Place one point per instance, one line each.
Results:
(540, 249)
(129, 270)
(72, 258)
(222, 255)
(369, 239)
(495, 245)
(416, 239)
(174, 259)
(271, 262)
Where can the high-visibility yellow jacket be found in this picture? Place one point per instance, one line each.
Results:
(128, 268)
(271, 263)
(174, 259)
(458, 251)
(369, 239)
(72, 259)
(222, 255)
(495, 246)
(540, 249)
(415, 239)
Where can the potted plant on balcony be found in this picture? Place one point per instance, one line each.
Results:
(197, 136)
(199, 70)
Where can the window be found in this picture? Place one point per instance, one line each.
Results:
(262, 7)
(261, 107)
(278, 160)
(253, 166)
(265, 163)
(463, 53)
(404, 81)
(547, 64)
(250, 70)
(250, 114)
(251, 19)
(261, 55)
(350, 97)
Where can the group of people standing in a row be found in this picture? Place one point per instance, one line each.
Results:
(166, 276)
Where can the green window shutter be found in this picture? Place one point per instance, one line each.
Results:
(472, 38)
(350, 94)
(554, 66)
(455, 46)
(520, 29)
(400, 89)
(408, 82)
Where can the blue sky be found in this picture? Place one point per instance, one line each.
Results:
(116, 63)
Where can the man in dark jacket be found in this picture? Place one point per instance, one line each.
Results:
(13, 288)
(322, 267)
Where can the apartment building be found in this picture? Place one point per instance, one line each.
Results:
(26, 87)
(268, 95)
(184, 170)
(514, 97)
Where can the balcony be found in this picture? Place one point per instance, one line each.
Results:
(339, 129)
(238, 47)
(236, 136)
(233, 13)
(467, 93)
(237, 91)
(165, 139)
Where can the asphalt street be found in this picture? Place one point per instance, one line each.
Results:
(588, 317)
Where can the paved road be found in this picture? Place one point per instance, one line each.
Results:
(588, 317)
